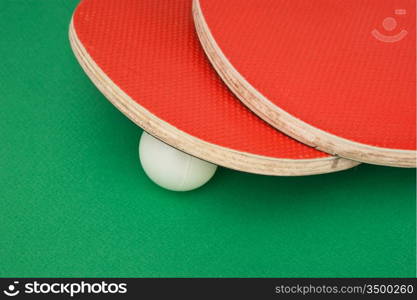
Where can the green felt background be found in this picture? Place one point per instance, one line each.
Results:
(75, 202)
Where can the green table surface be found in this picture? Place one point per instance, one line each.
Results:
(74, 200)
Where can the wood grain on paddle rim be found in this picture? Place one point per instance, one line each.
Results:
(241, 161)
(284, 121)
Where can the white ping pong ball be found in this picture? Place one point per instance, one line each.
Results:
(170, 168)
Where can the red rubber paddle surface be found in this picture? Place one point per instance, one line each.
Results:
(150, 50)
(345, 67)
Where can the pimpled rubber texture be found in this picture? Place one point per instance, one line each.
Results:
(345, 67)
(149, 49)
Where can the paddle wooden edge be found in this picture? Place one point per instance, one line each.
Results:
(178, 139)
(287, 123)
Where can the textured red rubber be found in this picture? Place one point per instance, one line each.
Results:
(150, 50)
(344, 67)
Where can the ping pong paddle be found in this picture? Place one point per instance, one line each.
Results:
(145, 57)
(336, 75)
